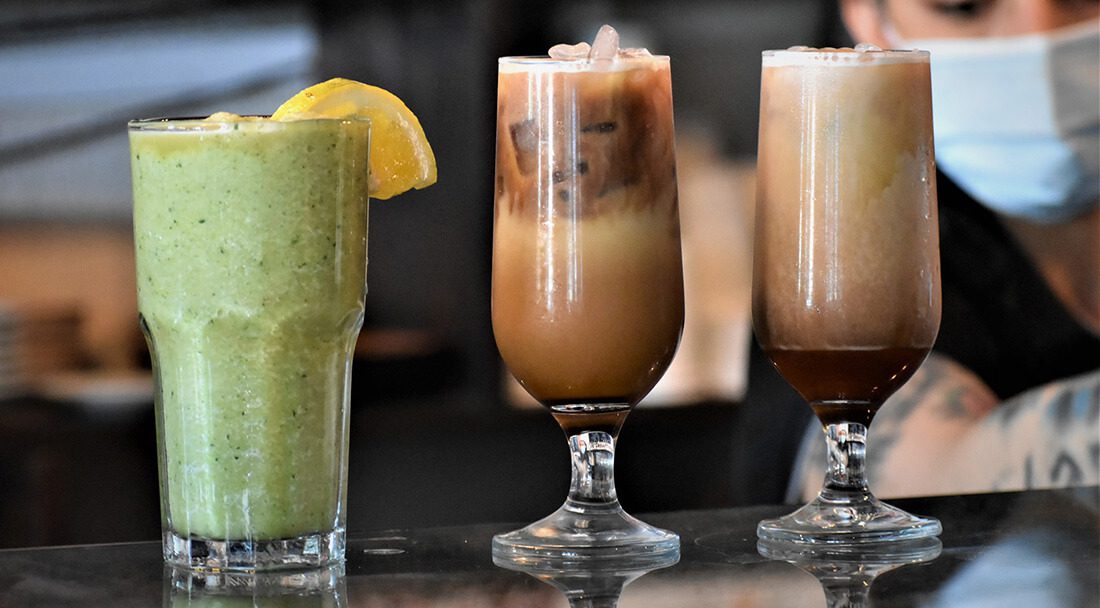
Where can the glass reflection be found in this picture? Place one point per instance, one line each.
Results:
(322, 588)
(593, 584)
(846, 572)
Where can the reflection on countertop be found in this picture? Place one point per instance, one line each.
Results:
(1038, 548)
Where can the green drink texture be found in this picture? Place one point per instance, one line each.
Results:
(251, 242)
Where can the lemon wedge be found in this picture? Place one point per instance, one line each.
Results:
(400, 156)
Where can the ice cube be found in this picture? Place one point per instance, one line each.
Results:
(606, 44)
(604, 48)
(525, 141)
(570, 51)
(867, 47)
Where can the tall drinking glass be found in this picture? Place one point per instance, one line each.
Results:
(846, 280)
(251, 242)
(588, 300)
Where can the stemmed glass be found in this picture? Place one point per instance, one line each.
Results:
(846, 280)
(587, 288)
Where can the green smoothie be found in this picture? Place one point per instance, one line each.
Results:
(251, 240)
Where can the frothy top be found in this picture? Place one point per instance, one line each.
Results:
(223, 122)
(862, 55)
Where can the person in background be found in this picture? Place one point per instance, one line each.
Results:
(1010, 397)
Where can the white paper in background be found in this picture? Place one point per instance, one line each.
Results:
(717, 200)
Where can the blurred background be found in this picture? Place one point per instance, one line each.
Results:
(440, 434)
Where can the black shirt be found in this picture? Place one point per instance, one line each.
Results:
(1000, 319)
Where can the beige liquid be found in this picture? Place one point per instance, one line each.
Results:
(846, 256)
(587, 278)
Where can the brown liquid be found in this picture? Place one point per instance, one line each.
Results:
(600, 418)
(587, 279)
(846, 279)
(847, 385)
(584, 142)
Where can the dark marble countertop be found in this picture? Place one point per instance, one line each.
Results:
(1037, 548)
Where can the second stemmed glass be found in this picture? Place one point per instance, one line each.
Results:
(846, 279)
(587, 296)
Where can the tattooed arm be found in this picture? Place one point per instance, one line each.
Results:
(944, 432)
(1045, 438)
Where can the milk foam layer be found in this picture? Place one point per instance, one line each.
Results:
(842, 57)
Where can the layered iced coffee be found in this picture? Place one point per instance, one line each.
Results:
(846, 270)
(587, 278)
(588, 298)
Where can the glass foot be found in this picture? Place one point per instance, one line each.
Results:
(306, 551)
(870, 557)
(841, 518)
(576, 534)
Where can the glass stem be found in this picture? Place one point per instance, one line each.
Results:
(847, 452)
(593, 454)
(847, 595)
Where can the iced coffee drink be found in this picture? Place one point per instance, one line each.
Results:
(846, 278)
(588, 299)
(587, 278)
(847, 299)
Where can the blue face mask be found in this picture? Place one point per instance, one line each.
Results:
(1017, 119)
